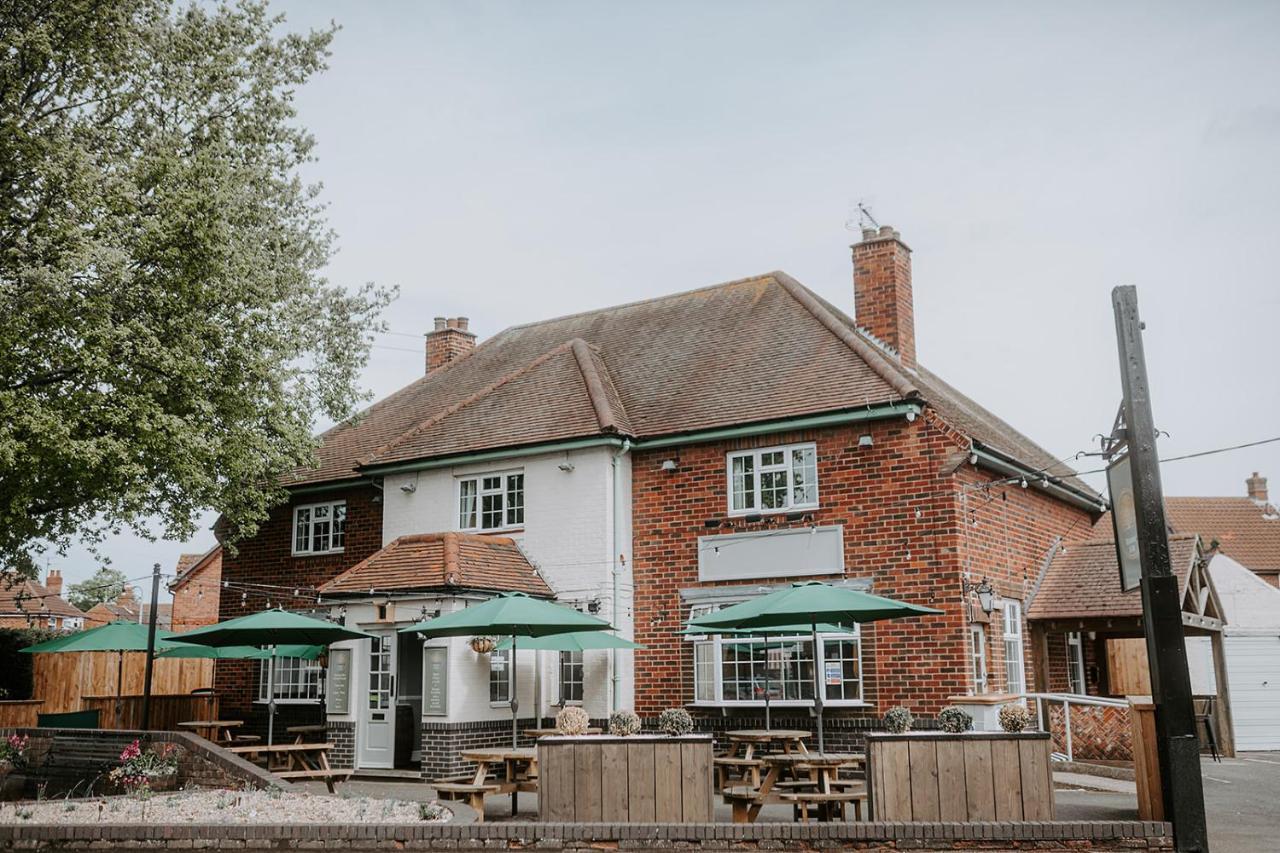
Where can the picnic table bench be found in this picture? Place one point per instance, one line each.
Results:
(519, 772)
(301, 761)
(218, 731)
(740, 764)
(823, 790)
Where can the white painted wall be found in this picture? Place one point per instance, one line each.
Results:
(567, 535)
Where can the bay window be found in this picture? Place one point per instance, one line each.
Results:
(491, 501)
(320, 528)
(773, 479)
(296, 680)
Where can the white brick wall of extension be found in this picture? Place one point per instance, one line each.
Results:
(567, 533)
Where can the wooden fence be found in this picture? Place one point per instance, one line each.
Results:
(637, 779)
(62, 681)
(976, 776)
(19, 713)
(166, 711)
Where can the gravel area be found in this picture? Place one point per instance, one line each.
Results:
(206, 806)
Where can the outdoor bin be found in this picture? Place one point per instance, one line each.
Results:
(637, 779)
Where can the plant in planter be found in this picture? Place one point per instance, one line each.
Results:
(483, 645)
(675, 722)
(572, 720)
(141, 772)
(954, 719)
(13, 756)
(898, 720)
(1014, 717)
(624, 723)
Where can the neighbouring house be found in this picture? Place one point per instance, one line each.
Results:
(650, 462)
(25, 603)
(127, 608)
(1246, 528)
(196, 590)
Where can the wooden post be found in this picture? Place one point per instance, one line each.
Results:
(1040, 657)
(1222, 709)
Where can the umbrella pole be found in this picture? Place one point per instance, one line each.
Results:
(537, 686)
(119, 686)
(271, 697)
(515, 702)
(767, 725)
(817, 683)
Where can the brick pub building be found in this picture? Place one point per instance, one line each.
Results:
(650, 462)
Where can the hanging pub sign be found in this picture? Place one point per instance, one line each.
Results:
(1124, 518)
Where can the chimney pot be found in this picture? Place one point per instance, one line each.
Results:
(883, 304)
(440, 324)
(1257, 488)
(868, 233)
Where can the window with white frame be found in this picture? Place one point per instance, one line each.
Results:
(978, 651)
(1075, 663)
(773, 478)
(500, 676)
(320, 528)
(296, 680)
(1015, 675)
(571, 677)
(736, 669)
(491, 501)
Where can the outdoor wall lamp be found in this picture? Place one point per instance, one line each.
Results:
(865, 441)
(409, 488)
(668, 465)
(986, 594)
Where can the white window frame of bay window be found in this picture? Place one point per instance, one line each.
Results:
(755, 453)
(331, 507)
(716, 642)
(479, 479)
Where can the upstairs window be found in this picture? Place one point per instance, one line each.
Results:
(773, 479)
(491, 501)
(320, 528)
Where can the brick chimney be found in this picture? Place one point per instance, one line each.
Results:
(1257, 487)
(882, 291)
(448, 341)
(53, 582)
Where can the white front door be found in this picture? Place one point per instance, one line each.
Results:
(378, 710)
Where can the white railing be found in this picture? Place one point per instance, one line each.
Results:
(1067, 700)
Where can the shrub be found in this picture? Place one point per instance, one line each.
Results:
(139, 771)
(572, 720)
(624, 723)
(1014, 717)
(898, 720)
(675, 722)
(13, 750)
(955, 719)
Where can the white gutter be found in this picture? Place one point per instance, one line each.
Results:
(615, 678)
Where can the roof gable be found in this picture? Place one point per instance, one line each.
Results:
(24, 597)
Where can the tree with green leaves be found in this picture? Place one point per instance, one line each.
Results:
(106, 584)
(167, 338)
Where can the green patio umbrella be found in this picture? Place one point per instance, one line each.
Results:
(779, 630)
(272, 628)
(185, 650)
(515, 615)
(119, 637)
(814, 601)
(576, 642)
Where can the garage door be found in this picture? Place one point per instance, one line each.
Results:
(1253, 671)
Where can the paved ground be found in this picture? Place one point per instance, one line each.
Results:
(1241, 796)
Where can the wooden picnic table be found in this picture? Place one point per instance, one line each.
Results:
(305, 761)
(303, 731)
(537, 733)
(741, 761)
(823, 789)
(519, 773)
(214, 730)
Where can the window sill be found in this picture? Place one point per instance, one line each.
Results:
(492, 531)
(768, 513)
(318, 553)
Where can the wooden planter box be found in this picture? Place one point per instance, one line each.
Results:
(638, 779)
(935, 776)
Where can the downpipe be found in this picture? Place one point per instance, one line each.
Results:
(615, 678)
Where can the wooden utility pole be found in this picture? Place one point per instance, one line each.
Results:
(1178, 744)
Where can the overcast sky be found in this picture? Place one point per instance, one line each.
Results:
(516, 161)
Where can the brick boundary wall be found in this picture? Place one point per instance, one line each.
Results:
(1100, 836)
(207, 765)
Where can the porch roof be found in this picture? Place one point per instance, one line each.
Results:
(442, 561)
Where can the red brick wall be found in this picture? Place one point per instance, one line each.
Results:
(901, 514)
(195, 603)
(267, 559)
(875, 493)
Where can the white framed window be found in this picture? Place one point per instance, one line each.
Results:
(1075, 663)
(1015, 674)
(500, 676)
(773, 479)
(978, 653)
(739, 670)
(320, 528)
(297, 680)
(491, 501)
(571, 673)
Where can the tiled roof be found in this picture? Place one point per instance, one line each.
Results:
(445, 561)
(36, 599)
(1084, 582)
(753, 350)
(1245, 531)
(190, 565)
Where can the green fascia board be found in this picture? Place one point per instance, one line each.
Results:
(765, 427)
(1001, 464)
(330, 486)
(490, 455)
